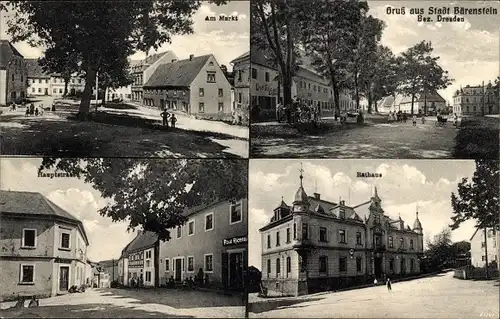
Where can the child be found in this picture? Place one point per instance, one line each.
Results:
(414, 119)
(27, 111)
(173, 119)
(165, 116)
(389, 284)
(375, 282)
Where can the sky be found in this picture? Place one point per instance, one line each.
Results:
(469, 50)
(107, 238)
(225, 40)
(404, 186)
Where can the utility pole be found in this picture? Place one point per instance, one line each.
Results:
(486, 251)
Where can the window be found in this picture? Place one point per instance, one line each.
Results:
(209, 222)
(391, 242)
(27, 274)
(33, 90)
(236, 214)
(411, 243)
(359, 267)
(322, 264)
(209, 263)
(191, 228)
(221, 92)
(323, 234)
(12, 77)
(278, 266)
(267, 76)
(179, 231)
(483, 258)
(39, 80)
(288, 235)
(358, 238)
(39, 90)
(239, 97)
(201, 107)
(148, 254)
(288, 265)
(202, 92)
(412, 265)
(148, 263)
(60, 91)
(221, 107)
(391, 264)
(268, 267)
(277, 238)
(167, 264)
(65, 240)
(342, 236)
(254, 73)
(268, 241)
(305, 231)
(342, 264)
(190, 264)
(239, 75)
(401, 243)
(294, 230)
(22, 78)
(29, 238)
(211, 77)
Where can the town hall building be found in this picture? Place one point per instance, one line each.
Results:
(317, 245)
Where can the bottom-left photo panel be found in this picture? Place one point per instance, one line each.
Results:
(111, 237)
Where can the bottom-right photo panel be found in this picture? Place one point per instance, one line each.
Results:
(373, 239)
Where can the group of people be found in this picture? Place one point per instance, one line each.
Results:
(168, 117)
(388, 283)
(32, 109)
(398, 116)
(136, 282)
(298, 112)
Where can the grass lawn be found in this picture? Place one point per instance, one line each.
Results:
(478, 138)
(61, 136)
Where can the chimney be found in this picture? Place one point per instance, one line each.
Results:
(174, 60)
(317, 196)
(191, 56)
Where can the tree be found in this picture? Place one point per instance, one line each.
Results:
(477, 199)
(274, 24)
(383, 81)
(439, 251)
(330, 30)
(420, 72)
(98, 30)
(114, 76)
(153, 194)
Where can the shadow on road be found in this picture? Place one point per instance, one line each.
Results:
(85, 311)
(269, 305)
(180, 299)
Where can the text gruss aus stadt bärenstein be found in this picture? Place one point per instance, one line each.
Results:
(444, 11)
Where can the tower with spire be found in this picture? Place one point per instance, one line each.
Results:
(417, 226)
(301, 200)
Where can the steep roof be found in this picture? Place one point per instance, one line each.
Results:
(34, 69)
(31, 203)
(261, 58)
(430, 97)
(177, 74)
(242, 57)
(7, 50)
(143, 240)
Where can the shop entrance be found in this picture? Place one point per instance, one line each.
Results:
(235, 270)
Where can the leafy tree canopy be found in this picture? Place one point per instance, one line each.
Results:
(477, 199)
(153, 194)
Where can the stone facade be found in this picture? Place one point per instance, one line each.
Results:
(317, 245)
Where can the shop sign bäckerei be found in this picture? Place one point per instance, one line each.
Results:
(235, 241)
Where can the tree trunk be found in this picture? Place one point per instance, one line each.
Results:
(336, 94)
(105, 88)
(356, 90)
(370, 102)
(84, 110)
(412, 101)
(66, 82)
(486, 251)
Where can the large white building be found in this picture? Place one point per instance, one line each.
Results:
(478, 247)
(13, 74)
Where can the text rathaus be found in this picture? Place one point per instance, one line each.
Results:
(316, 245)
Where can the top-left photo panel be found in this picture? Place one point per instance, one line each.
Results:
(145, 78)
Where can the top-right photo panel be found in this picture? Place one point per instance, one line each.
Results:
(375, 79)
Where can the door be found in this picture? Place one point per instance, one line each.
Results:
(46, 91)
(236, 270)
(63, 278)
(378, 267)
(178, 269)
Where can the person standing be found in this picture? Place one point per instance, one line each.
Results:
(375, 281)
(173, 120)
(164, 115)
(389, 287)
(414, 120)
